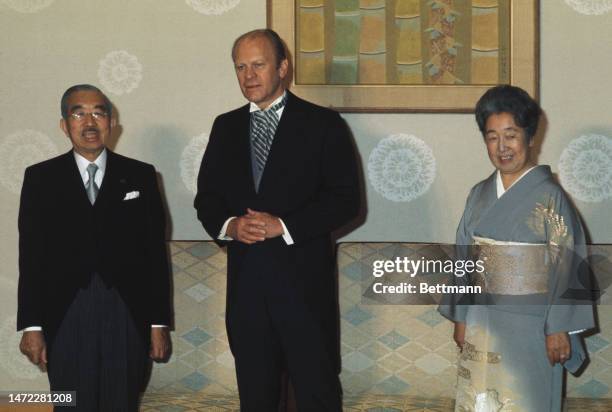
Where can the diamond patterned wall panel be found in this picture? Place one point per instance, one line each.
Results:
(394, 350)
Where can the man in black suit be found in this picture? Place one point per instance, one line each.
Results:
(93, 269)
(278, 176)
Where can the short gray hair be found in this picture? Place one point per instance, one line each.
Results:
(83, 87)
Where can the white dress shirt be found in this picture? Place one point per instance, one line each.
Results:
(82, 164)
(286, 236)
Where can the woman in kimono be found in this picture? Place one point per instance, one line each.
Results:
(518, 335)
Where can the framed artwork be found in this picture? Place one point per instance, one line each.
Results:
(407, 55)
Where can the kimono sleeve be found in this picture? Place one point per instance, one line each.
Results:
(571, 305)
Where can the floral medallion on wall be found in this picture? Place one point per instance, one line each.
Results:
(585, 168)
(401, 167)
(20, 150)
(120, 72)
(590, 7)
(212, 7)
(28, 6)
(191, 158)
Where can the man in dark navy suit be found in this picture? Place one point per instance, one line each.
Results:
(93, 268)
(278, 176)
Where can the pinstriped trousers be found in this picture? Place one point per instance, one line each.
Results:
(98, 353)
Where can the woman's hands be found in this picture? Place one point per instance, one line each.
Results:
(558, 347)
(459, 334)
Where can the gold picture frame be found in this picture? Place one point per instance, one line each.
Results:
(523, 66)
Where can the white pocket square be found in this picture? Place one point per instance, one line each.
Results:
(132, 195)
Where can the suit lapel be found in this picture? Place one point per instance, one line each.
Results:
(243, 149)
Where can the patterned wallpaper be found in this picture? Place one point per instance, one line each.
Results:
(401, 167)
(166, 67)
(585, 168)
(590, 7)
(386, 350)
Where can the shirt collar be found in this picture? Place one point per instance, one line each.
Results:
(82, 163)
(500, 184)
(254, 108)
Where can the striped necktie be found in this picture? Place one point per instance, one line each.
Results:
(92, 187)
(263, 128)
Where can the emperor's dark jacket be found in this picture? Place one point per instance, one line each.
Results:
(64, 240)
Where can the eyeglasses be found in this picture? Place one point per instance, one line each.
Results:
(82, 115)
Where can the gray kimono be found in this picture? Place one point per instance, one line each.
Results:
(534, 253)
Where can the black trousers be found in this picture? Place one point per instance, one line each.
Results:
(271, 328)
(98, 353)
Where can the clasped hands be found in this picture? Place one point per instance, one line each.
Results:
(558, 347)
(254, 227)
